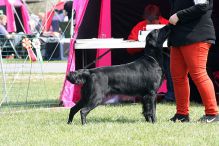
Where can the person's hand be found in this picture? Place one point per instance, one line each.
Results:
(173, 19)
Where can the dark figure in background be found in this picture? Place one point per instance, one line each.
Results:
(57, 18)
(68, 9)
(152, 15)
(190, 39)
(3, 22)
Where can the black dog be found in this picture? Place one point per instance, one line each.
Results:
(140, 78)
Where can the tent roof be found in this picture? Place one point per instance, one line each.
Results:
(47, 21)
(8, 10)
(12, 2)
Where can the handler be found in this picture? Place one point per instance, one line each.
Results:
(191, 37)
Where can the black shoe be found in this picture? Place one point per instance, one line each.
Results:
(180, 118)
(209, 119)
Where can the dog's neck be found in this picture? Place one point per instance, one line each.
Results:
(153, 59)
(156, 57)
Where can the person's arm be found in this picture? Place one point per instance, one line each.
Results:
(200, 7)
(4, 32)
(133, 34)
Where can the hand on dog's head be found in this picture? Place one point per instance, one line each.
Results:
(155, 40)
(78, 77)
(157, 37)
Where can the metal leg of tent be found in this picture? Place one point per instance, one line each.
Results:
(14, 49)
(83, 58)
(4, 80)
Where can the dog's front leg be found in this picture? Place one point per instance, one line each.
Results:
(149, 107)
(94, 102)
(74, 110)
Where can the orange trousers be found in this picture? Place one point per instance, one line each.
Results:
(192, 59)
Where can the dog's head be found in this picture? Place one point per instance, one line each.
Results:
(157, 37)
(155, 40)
(78, 77)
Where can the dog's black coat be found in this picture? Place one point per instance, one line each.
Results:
(140, 78)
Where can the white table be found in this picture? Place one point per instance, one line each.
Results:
(106, 43)
(65, 40)
(109, 43)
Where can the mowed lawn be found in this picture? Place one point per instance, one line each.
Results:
(108, 125)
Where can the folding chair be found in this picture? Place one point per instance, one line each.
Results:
(6, 43)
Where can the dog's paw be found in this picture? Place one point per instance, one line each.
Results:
(69, 122)
(150, 119)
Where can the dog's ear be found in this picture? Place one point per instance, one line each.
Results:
(85, 75)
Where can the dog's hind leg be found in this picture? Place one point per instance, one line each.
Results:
(90, 106)
(149, 107)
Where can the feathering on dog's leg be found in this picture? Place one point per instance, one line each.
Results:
(149, 108)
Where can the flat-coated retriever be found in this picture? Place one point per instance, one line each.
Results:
(141, 77)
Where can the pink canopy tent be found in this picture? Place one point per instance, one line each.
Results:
(8, 7)
(69, 93)
(86, 14)
(47, 21)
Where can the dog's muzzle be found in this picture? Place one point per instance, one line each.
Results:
(70, 78)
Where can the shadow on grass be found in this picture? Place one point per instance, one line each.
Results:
(31, 104)
(97, 120)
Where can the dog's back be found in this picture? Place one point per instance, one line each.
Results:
(134, 79)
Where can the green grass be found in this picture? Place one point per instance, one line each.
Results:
(121, 125)
(21, 123)
(42, 90)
